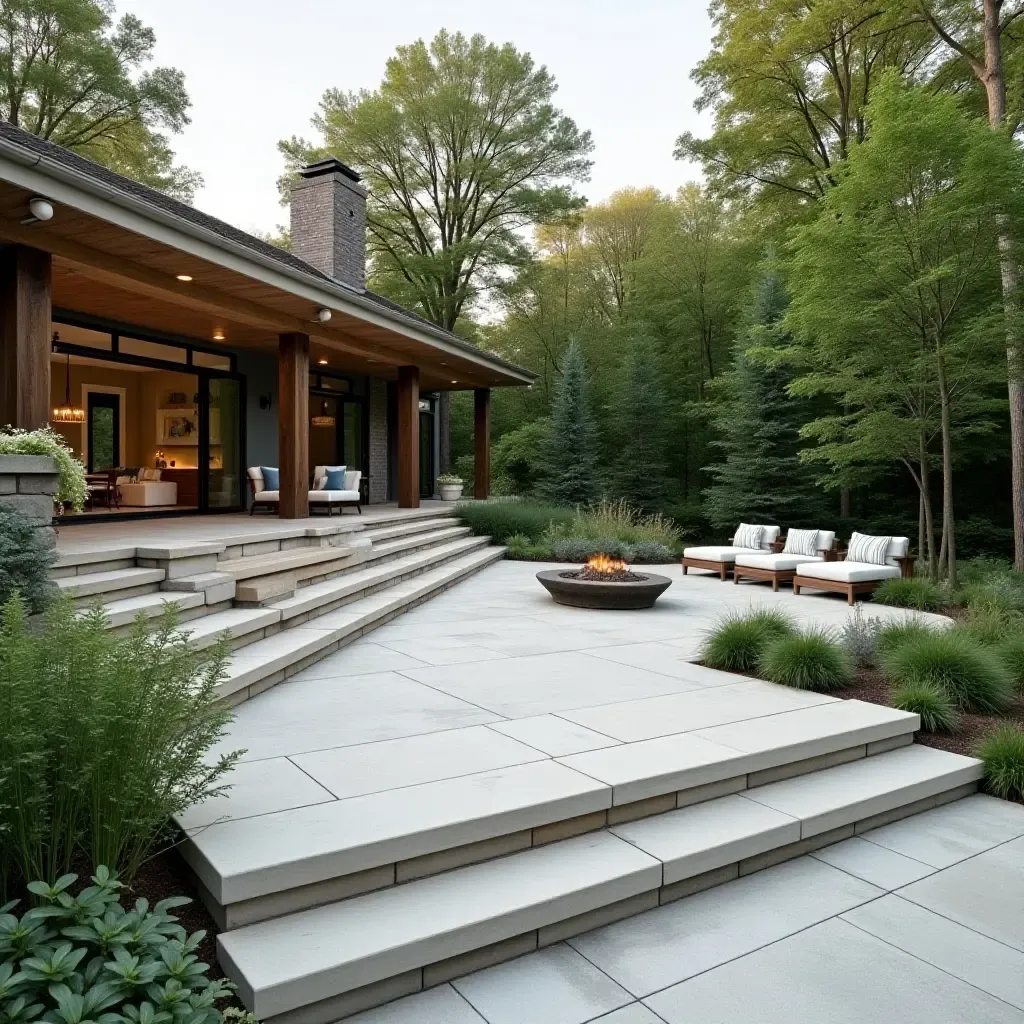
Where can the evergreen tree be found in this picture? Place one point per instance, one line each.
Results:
(641, 467)
(759, 478)
(569, 466)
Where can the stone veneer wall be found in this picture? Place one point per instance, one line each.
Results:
(28, 484)
(378, 441)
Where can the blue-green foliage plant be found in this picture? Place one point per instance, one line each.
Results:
(85, 959)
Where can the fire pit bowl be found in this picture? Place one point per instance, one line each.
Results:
(603, 583)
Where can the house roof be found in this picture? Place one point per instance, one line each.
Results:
(44, 155)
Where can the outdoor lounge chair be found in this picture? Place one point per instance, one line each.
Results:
(261, 497)
(872, 562)
(720, 558)
(780, 567)
(320, 497)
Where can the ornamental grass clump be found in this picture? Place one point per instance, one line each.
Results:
(896, 634)
(954, 662)
(738, 640)
(1010, 651)
(501, 519)
(104, 739)
(1003, 756)
(812, 660)
(920, 594)
(938, 712)
(85, 958)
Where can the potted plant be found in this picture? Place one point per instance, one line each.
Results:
(450, 486)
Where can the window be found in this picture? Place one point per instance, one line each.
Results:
(210, 360)
(151, 350)
(82, 336)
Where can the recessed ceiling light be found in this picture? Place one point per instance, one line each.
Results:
(185, 277)
(455, 382)
(218, 335)
(322, 362)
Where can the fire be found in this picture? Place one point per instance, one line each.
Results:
(606, 564)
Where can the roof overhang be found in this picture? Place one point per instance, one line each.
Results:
(287, 296)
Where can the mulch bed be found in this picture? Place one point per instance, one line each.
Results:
(872, 686)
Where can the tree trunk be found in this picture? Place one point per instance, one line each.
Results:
(926, 511)
(948, 526)
(845, 504)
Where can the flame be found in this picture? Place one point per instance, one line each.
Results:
(606, 564)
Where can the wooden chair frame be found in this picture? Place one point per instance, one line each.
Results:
(724, 568)
(777, 576)
(852, 590)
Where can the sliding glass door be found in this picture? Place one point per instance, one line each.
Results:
(221, 442)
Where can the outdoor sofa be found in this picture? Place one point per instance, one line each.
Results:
(866, 563)
(747, 540)
(320, 496)
(800, 548)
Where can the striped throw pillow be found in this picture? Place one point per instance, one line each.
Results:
(868, 549)
(801, 542)
(748, 536)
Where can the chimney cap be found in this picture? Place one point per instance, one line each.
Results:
(330, 165)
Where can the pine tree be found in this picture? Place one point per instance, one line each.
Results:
(641, 467)
(570, 454)
(760, 478)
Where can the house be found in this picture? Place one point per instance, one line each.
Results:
(154, 336)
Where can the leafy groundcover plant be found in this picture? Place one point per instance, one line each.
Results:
(47, 441)
(103, 739)
(85, 958)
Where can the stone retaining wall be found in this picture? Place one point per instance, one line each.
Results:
(28, 484)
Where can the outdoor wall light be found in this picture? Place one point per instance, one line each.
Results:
(323, 315)
(39, 210)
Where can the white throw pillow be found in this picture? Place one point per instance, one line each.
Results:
(748, 536)
(864, 548)
(801, 542)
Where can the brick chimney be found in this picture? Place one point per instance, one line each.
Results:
(328, 226)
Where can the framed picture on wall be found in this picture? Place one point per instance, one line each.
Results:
(177, 427)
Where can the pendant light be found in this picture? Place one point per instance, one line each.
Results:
(67, 413)
(324, 419)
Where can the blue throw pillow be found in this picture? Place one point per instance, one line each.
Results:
(335, 480)
(271, 478)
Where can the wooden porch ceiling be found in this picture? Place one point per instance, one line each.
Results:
(105, 270)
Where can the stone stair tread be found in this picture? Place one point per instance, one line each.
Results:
(279, 561)
(205, 631)
(253, 857)
(418, 540)
(124, 611)
(383, 533)
(316, 594)
(288, 963)
(95, 583)
(274, 653)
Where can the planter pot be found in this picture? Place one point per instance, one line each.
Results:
(450, 492)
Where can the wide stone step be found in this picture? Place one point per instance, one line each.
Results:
(237, 623)
(268, 661)
(98, 584)
(309, 600)
(151, 606)
(392, 531)
(416, 541)
(292, 561)
(324, 963)
(253, 867)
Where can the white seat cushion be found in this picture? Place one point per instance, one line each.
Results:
(848, 572)
(775, 562)
(321, 496)
(718, 553)
(267, 496)
(150, 492)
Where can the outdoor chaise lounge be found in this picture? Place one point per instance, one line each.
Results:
(801, 547)
(748, 540)
(321, 496)
(858, 570)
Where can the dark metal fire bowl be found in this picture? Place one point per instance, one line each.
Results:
(598, 594)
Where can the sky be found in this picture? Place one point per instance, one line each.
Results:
(256, 69)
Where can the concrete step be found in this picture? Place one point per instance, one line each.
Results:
(322, 964)
(402, 529)
(253, 867)
(415, 542)
(320, 598)
(267, 662)
(276, 563)
(122, 613)
(244, 625)
(87, 587)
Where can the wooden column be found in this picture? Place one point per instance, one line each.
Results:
(293, 424)
(482, 442)
(408, 437)
(25, 325)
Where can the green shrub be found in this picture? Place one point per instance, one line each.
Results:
(920, 594)
(860, 637)
(579, 549)
(26, 556)
(521, 548)
(47, 441)
(1010, 651)
(86, 958)
(811, 660)
(1003, 755)
(937, 711)
(104, 739)
(500, 520)
(516, 458)
(895, 634)
(738, 640)
(622, 521)
(954, 662)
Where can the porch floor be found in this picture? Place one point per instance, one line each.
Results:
(193, 529)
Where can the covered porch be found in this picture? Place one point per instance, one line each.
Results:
(116, 259)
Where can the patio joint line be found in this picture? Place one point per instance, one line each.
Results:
(936, 869)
